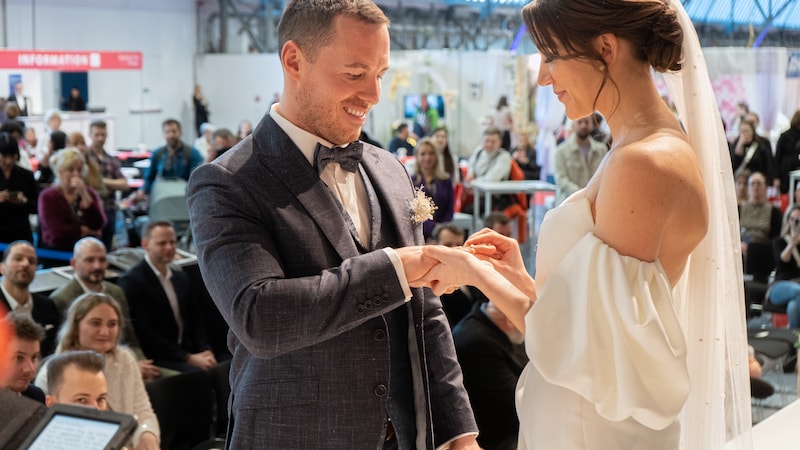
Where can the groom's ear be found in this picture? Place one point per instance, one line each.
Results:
(292, 58)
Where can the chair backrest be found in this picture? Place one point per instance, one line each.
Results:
(168, 200)
(518, 174)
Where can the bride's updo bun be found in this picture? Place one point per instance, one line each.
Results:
(663, 50)
(567, 28)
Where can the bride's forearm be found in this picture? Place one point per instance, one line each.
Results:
(511, 300)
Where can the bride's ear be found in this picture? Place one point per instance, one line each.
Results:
(607, 46)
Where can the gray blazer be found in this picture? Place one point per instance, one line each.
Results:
(313, 319)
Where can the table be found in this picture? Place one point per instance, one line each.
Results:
(776, 432)
(489, 188)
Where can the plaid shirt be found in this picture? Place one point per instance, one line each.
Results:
(110, 168)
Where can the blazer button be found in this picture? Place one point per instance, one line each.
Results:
(379, 335)
(380, 390)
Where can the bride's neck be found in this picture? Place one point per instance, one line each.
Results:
(635, 109)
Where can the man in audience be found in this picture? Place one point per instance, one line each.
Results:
(77, 378)
(19, 415)
(23, 101)
(449, 234)
(492, 355)
(25, 355)
(162, 306)
(113, 179)
(752, 118)
(19, 269)
(400, 140)
(577, 158)
(173, 160)
(489, 162)
(499, 222)
(89, 264)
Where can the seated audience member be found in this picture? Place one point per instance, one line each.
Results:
(163, 307)
(759, 219)
(93, 323)
(446, 160)
(94, 177)
(491, 353)
(174, 160)
(749, 152)
(89, 264)
(223, 140)
(499, 222)
(577, 159)
(25, 355)
(70, 209)
(436, 184)
(56, 143)
(457, 304)
(77, 378)
(400, 141)
(786, 289)
(741, 186)
(18, 194)
(489, 162)
(19, 415)
(525, 155)
(19, 269)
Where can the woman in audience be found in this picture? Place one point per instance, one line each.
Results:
(525, 155)
(446, 160)
(94, 177)
(760, 221)
(747, 152)
(93, 323)
(786, 290)
(69, 210)
(437, 185)
(18, 194)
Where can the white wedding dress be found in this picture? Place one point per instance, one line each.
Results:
(604, 341)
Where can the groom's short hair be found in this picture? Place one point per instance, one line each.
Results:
(310, 22)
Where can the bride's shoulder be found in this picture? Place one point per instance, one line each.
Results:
(664, 154)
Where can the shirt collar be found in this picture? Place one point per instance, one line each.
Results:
(156, 271)
(305, 141)
(86, 289)
(13, 303)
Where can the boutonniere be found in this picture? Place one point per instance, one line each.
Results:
(422, 206)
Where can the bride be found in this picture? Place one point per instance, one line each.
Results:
(635, 324)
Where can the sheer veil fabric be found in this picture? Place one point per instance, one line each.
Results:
(710, 297)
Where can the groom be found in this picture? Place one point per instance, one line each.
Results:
(295, 231)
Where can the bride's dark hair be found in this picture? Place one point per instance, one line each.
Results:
(570, 26)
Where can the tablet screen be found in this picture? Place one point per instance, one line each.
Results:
(69, 432)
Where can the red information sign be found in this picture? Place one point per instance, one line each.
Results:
(69, 61)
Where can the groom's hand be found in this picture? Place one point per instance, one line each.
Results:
(415, 264)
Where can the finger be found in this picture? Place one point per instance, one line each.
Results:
(438, 252)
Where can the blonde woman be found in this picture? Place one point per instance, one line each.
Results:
(93, 323)
(69, 209)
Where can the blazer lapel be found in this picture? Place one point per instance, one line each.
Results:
(394, 191)
(281, 158)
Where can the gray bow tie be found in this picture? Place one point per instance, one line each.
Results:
(347, 157)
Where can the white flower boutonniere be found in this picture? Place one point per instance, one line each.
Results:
(422, 206)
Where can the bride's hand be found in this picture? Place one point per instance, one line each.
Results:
(501, 251)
